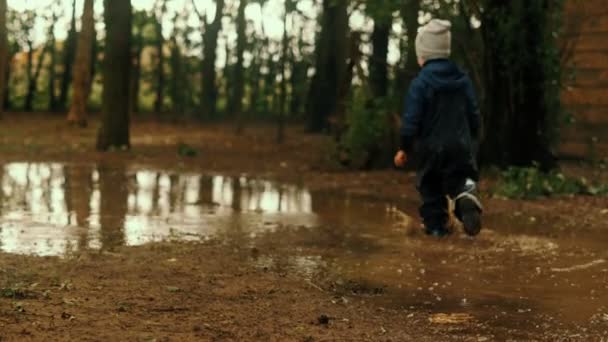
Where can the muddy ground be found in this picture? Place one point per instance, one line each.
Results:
(351, 266)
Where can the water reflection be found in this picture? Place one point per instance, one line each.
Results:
(51, 209)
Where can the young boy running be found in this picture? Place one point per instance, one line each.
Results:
(443, 118)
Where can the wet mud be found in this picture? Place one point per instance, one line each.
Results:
(523, 278)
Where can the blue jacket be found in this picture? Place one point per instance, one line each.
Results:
(441, 108)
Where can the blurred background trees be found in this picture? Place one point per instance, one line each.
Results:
(338, 67)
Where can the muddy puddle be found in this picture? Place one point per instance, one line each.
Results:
(522, 272)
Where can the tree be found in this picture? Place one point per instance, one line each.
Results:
(227, 76)
(258, 45)
(13, 49)
(522, 77)
(299, 77)
(160, 9)
(269, 89)
(382, 13)
(114, 130)
(331, 55)
(82, 68)
(27, 22)
(409, 13)
(140, 21)
(239, 72)
(290, 7)
(52, 63)
(254, 76)
(176, 61)
(210, 34)
(3, 54)
(69, 51)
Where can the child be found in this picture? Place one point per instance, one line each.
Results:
(443, 117)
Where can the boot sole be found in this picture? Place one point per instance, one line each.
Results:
(471, 216)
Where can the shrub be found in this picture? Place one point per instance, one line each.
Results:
(530, 182)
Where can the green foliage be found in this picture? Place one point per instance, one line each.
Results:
(367, 129)
(530, 182)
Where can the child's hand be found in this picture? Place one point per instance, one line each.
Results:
(400, 158)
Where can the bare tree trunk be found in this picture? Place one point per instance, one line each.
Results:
(227, 76)
(33, 76)
(239, 73)
(29, 71)
(299, 79)
(69, 50)
(209, 74)
(176, 86)
(268, 91)
(283, 99)
(160, 68)
(3, 56)
(7, 103)
(82, 68)
(114, 130)
(331, 55)
(410, 15)
(136, 73)
(378, 65)
(254, 80)
(52, 64)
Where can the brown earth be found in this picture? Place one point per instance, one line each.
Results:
(180, 291)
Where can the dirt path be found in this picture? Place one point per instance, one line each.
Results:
(348, 263)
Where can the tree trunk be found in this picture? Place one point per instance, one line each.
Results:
(516, 108)
(283, 99)
(227, 76)
(330, 64)
(94, 53)
(32, 83)
(410, 16)
(176, 85)
(69, 51)
(408, 66)
(52, 64)
(209, 90)
(254, 80)
(239, 73)
(7, 103)
(3, 56)
(269, 84)
(114, 130)
(378, 64)
(160, 68)
(299, 79)
(82, 68)
(29, 72)
(136, 74)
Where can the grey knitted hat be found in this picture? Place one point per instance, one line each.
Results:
(434, 40)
